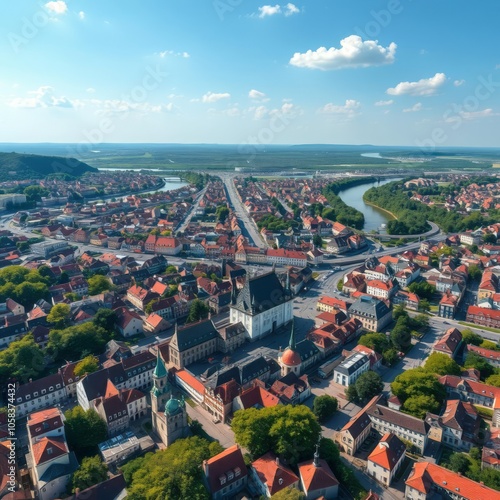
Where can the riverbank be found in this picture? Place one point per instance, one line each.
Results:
(380, 208)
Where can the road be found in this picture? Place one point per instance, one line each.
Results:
(191, 212)
(250, 229)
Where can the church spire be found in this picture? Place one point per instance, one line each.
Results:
(292, 344)
(160, 370)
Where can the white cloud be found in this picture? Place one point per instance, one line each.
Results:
(41, 98)
(214, 97)
(458, 83)
(257, 96)
(286, 109)
(349, 109)
(354, 53)
(269, 10)
(81, 15)
(424, 87)
(57, 7)
(260, 112)
(291, 9)
(416, 107)
(474, 115)
(91, 90)
(166, 53)
(384, 103)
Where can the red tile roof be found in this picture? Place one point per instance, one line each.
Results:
(388, 452)
(425, 474)
(271, 472)
(225, 468)
(49, 448)
(316, 478)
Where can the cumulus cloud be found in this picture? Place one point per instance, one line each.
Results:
(349, 109)
(211, 97)
(416, 107)
(384, 103)
(475, 115)
(257, 96)
(91, 90)
(57, 7)
(458, 83)
(353, 53)
(260, 112)
(43, 97)
(424, 87)
(291, 9)
(269, 10)
(81, 15)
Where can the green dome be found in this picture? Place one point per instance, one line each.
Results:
(172, 407)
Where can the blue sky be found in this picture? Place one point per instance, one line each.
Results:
(391, 72)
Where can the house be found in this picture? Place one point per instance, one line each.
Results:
(493, 357)
(491, 451)
(140, 297)
(351, 368)
(373, 313)
(449, 343)
(129, 323)
(386, 459)
(111, 489)
(225, 474)
(155, 324)
(317, 479)
(412, 429)
(381, 289)
(269, 475)
(167, 245)
(282, 257)
(483, 317)
(427, 480)
(355, 432)
(255, 397)
(332, 304)
(457, 427)
(448, 306)
(291, 389)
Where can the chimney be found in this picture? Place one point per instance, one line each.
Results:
(277, 460)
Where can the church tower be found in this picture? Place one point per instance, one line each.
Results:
(160, 393)
(176, 421)
(290, 360)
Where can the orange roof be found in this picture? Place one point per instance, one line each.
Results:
(190, 380)
(388, 452)
(154, 319)
(49, 448)
(43, 415)
(271, 472)
(316, 478)
(424, 474)
(111, 390)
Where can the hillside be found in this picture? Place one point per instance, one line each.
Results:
(21, 166)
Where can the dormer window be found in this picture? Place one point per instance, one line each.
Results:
(49, 451)
(222, 479)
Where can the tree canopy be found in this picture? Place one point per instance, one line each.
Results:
(324, 407)
(291, 432)
(89, 364)
(198, 310)
(368, 384)
(92, 471)
(376, 341)
(84, 430)
(171, 473)
(441, 364)
(23, 285)
(59, 315)
(473, 360)
(98, 284)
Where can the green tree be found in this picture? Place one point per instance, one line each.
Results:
(419, 405)
(198, 310)
(379, 342)
(401, 334)
(352, 394)
(488, 344)
(171, 473)
(459, 462)
(89, 364)
(289, 494)
(105, 319)
(369, 384)
(490, 238)
(35, 193)
(21, 360)
(469, 337)
(493, 380)
(221, 213)
(441, 364)
(84, 430)
(59, 315)
(171, 269)
(317, 240)
(28, 293)
(324, 407)
(390, 356)
(399, 311)
(98, 284)
(423, 289)
(72, 296)
(474, 272)
(424, 305)
(92, 471)
(473, 360)
(289, 431)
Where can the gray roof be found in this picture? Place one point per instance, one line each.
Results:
(261, 293)
(193, 335)
(398, 418)
(306, 349)
(242, 373)
(352, 363)
(60, 470)
(369, 307)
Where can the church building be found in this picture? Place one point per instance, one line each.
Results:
(169, 416)
(262, 306)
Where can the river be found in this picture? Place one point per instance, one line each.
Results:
(374, 217)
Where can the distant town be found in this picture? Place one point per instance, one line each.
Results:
(234, 335)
